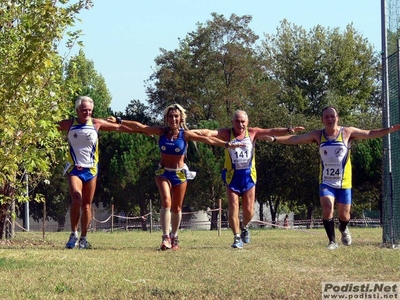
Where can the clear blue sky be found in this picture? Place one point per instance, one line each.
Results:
(123, 37)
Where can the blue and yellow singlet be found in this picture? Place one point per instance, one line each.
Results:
(238, 159)
(83, 144)
(335, 169)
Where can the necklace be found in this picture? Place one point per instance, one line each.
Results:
(173, 132)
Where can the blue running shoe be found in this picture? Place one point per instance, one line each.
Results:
(237, 243)
(72, 242)
(245, 235)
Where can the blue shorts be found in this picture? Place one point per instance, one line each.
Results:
(240, 181)
(84, 174)
(174, 176)
(342, 196)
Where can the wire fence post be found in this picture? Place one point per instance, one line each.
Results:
(112, 217)
(44, 218)
(219, 216)
(93, 220)
(151, 216)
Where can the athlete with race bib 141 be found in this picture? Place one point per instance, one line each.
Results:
(239, 173)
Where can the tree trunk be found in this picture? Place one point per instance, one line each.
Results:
(3, 217)
(143, 219)
(273, 214)
(8, 193)
(261, 214)
(310, 216)
(61, 223)
(214, 220)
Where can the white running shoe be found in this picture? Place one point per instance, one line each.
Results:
(346, 237)
(332, 246)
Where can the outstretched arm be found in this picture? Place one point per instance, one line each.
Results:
(306, 138)
(361, 134)
(64, 125)
(193, 135)
(103, 125)
(206, 132)
(135, 127)
(280, 131)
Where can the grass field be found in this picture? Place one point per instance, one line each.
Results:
(277, 264)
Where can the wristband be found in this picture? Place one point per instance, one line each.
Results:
(290, 129)
(227, 145)
(119, 120)
(274, 139)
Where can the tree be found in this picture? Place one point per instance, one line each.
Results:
(127, 165)
(215, 71)
(81, 73)
(31, 91)
(55, 193)
(207, 188)
(322, 66)
(133, 173)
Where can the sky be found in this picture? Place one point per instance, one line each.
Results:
(123, 37)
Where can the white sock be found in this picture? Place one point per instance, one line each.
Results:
(165, 218)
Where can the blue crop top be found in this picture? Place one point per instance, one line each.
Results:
(175, 147)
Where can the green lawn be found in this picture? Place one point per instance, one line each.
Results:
(277, 264)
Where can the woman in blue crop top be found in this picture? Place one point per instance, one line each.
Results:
(171, 177)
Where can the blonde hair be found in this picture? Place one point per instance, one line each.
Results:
(181, 110)
(82, 99)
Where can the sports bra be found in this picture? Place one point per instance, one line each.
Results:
(173, 147)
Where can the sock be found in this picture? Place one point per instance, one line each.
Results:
(330, 229)
(165, 218)
(176, 219)
(75, 233)
(343, 225)
(237, 235)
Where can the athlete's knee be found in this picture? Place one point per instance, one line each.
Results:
(86, 207)
(344, 216)
(76, 202)
(176, 209)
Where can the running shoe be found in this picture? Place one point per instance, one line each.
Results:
(237, 243)
(174, 243)
(346, 237)
(332, 246)
(72, 242)
(166, 243)
(245, 235)
(83, 243)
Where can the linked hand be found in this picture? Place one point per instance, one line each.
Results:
(268, 138)
(292, 130)
(235, 144)
(111, 119)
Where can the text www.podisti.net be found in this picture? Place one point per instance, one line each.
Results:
(360, 290)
